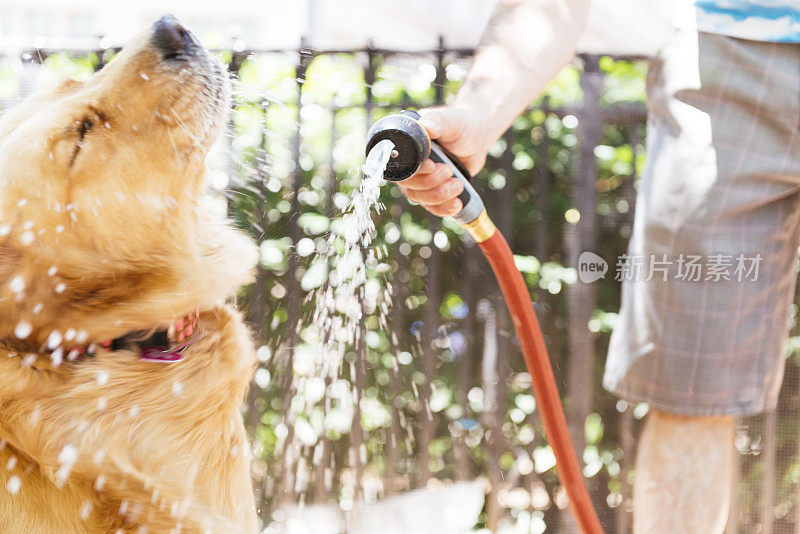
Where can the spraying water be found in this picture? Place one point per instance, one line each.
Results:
(338, 311)
(322, 398)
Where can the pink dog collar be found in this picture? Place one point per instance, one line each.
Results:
(161, 346)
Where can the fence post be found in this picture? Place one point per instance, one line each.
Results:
(396, 337)
(304, 58)
(627, 432)
(490, 381)
(432, 285)
(398, 322)
(580, 237)
(256, 307)
(290, 451)
(470, 268)
(369, 80)
(543, 177)
(323, 451)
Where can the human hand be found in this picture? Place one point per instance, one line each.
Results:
(463, 134)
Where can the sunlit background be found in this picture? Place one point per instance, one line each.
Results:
(615, 26)
(446, 436)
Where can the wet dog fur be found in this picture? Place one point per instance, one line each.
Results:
(103, 231)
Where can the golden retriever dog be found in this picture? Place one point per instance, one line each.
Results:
(122, 371)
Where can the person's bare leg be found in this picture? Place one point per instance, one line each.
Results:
(684, 468)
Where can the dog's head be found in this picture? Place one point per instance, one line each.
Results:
(101, 221)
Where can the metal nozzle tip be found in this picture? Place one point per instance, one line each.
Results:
(394, 154)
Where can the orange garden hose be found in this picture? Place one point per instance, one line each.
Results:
(515, 292)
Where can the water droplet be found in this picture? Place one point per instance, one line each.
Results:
(86, 510)
(13, 484)
(23, 329)
(68, 455)
(54, 339)
(62, 475)
(26, 238)
(57, 356)
(102, 378)
(262, 378)
(17, 284)
(263, 354)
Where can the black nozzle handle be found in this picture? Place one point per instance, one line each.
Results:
(472, 204)
(412, 146)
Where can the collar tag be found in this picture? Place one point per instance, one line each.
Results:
(159, 355)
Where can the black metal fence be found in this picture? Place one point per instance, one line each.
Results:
(561, 181)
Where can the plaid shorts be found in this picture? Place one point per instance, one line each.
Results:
(721, 194)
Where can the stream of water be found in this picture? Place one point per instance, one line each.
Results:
(339, 311)
(327, 386)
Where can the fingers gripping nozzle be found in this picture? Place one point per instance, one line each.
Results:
(412, 147)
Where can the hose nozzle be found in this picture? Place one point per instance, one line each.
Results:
(412, 147)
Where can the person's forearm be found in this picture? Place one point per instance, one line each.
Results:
(525, 45)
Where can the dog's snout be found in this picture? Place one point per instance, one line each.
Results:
(172, 39)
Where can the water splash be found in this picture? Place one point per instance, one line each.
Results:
(322, 399)
(338, 310)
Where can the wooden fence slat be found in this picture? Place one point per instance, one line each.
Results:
(581, 237)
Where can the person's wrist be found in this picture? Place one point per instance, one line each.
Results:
(482, 120)
(477, 124)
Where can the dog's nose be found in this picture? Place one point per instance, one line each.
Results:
(171, 38)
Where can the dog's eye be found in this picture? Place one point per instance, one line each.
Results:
(84, 126)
